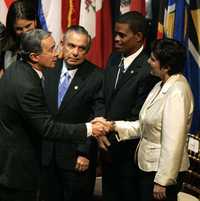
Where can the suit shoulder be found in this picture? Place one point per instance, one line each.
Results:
(92, 66)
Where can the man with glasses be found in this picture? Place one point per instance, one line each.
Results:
(24, 119)
(69, 168)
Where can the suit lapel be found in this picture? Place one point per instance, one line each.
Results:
(158, 92)
(131, 71)
(76, 84)
(112, 72)
(52, 79)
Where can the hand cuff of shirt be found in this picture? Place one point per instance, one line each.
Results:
(89, 129)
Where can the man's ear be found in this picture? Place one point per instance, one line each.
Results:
(139, 36)
(34, 57)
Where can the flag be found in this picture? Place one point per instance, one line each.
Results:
(181, 22)
(56, 16)
(95, 16)
(49, 12)
(4, 5)
(161, 18)
(193, 57)
(138, 5)
(166, 19)
(70, 13)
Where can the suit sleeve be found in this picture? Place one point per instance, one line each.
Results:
(35, 112)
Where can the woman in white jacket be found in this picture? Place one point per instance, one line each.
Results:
(163, 124)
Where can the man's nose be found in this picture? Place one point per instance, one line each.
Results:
(75, 51)
(117, 38)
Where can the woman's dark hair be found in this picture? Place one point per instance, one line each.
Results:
(170, 53)
(21, 9)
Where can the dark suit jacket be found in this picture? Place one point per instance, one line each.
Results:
(24, 120)
(125, 102)
(82, 102)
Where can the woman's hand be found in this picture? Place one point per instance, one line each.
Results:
(159, 192)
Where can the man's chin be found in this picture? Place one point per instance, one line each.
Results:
(74, 63)
(118, 49)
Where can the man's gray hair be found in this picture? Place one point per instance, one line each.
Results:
(80, 30)
(31, 42)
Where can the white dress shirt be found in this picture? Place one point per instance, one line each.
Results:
(128, 60)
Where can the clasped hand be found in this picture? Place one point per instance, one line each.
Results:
(100, 126)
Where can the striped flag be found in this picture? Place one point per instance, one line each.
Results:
(193, 58)
(161, 18)
(70, 13)
(95, 16)
(56, 16)
(4, 5)
(50, 17)
(138, 5)
(181, 22)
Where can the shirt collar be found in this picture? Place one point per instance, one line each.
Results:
(128, 60)
(65, 70)
(38, 72)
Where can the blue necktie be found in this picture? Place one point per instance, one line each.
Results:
(63, 86)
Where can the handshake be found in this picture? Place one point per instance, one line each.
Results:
(101, 127)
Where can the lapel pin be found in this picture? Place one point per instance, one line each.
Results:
(132, 71)
(76, 87)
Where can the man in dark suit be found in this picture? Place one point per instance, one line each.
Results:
(69, 168)
(127, 83)
(24, 119)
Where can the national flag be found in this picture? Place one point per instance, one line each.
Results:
(169, 19)
(70, 13)
(138, 5)
(4, 5)
(124, 6)
(56, 16)
(95, 16)
(49, 12)
(181, 22)
(161, 18)
(193, 57)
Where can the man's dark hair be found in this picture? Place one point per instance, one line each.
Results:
(31, 42)
(136, 22)
(170, 53)
(80, 30)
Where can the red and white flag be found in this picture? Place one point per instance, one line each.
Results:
(4, 5)
(138, 5)
(70, 13)
(56, 16)
(95, 16)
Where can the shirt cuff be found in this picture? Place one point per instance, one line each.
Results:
(89, 129)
